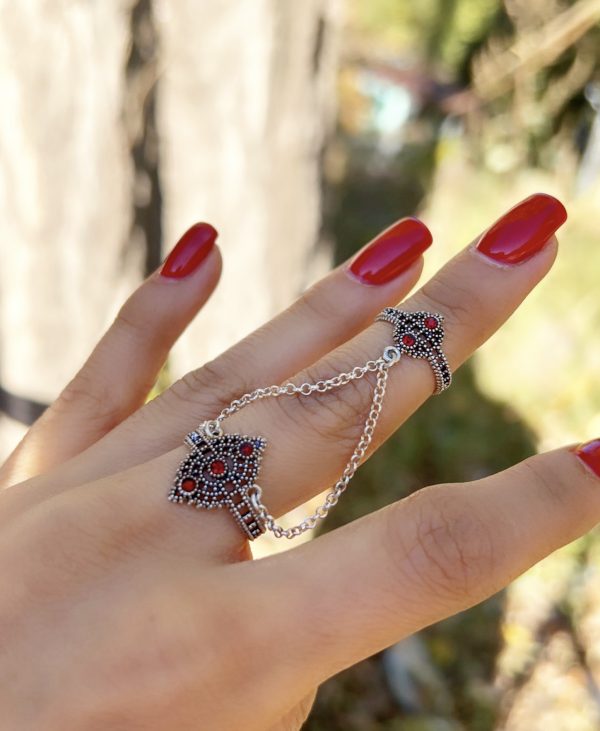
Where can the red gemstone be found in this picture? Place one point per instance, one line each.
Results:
(408, 339)
(217, 467)
(188, 485)
(431, 323)
(246, 449)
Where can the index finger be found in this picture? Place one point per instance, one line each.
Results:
(363, 587)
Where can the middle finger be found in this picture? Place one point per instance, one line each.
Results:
(474, 294)
(311, 438)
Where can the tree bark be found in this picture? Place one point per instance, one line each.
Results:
(119, 116)
(245, 102)
(65, 192)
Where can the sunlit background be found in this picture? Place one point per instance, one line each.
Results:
(456, 109)
(300, 130)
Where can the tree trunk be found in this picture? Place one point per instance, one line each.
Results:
(65, 193)
(88, 171)
(244, 105)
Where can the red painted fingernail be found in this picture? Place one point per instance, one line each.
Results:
(391, 253)
(190, 251)
(524, 230)
(589, 454)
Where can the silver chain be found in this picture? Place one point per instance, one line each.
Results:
(390, 356)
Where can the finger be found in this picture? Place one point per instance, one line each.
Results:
(309, 440)
(363, 587)
(475, 296)
(322, 430)
(122, 369)
(326, 315)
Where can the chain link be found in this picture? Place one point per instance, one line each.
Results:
(304, 389)
(340, 486)
(380, 366)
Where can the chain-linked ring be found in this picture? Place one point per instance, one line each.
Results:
(420, 335)
(221, 469)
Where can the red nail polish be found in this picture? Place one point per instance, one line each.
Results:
(524, 230)
(190, 251)
(392, 252)
(589, 454)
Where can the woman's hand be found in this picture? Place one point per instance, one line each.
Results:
(120, 610)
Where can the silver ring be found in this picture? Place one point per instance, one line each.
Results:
(391, 354)
(220, 472)
(420, 335)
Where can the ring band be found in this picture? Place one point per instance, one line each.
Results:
(420, 335)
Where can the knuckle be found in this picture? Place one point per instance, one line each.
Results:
(210, 377)
(551, 483)
(335, 416)
(236, 650)
(168, 652)
(573, 495)
(448, 294)
(317, 304)
(450, 550)
(128, 320)
(214, 385)
(91, 395)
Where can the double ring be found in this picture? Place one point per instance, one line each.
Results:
(221, 469)
(420, 335)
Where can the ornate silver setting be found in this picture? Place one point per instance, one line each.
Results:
(420, 335)
(220, 472)
(221, 469)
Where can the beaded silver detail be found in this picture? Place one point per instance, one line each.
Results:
(218, 473)
(221, 469)
(420, 335)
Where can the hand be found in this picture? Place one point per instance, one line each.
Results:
(121, 610)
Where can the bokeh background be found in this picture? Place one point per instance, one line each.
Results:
(300, 130)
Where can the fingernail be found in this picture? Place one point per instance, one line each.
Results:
(190, 251)
(589, 454)
(524, 230)
(391, 253)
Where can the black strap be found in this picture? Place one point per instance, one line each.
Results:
(20, 408)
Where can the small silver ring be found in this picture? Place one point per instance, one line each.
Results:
(254, 495)
(391, 354)
(420, 335)
(212, 429)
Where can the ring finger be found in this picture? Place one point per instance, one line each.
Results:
(310, 438)
(476, 292)
(328, 314)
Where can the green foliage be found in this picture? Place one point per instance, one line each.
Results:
(441, 31)
(461, 435)
(537, 379)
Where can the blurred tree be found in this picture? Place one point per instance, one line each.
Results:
(124, 116)
(245, 103)
(503, 102)
(528, 80)
(65, 192)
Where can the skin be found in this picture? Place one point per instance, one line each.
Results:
(123, 611)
